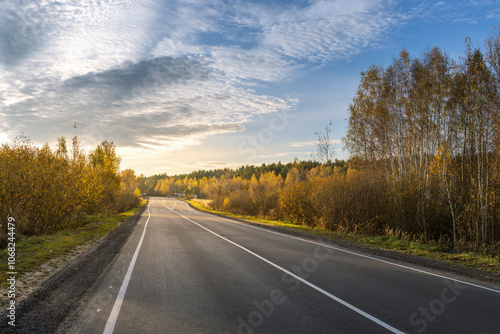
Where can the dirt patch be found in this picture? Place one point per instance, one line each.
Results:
(31, 281)
(44, 309)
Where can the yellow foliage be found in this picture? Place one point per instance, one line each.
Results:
(45, 189)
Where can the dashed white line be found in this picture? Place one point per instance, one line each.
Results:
(326, 293)
(365, 256)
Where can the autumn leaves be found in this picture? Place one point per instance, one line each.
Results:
(46, 189)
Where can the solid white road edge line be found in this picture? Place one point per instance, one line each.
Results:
(362, 255)
(326, 293)
(110, 324)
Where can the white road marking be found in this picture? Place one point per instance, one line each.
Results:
(361, 255)
(110, 325)
(326, 293)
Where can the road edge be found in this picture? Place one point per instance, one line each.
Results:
(46, 308)
(410, 259)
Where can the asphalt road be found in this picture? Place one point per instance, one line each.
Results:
(184, 271)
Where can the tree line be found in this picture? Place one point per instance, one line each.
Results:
(330, 195)
(47, 188)
(423, 137)
(162, 184)
(430, 127)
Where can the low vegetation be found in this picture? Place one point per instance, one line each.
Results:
(48, 189)
(36, 250)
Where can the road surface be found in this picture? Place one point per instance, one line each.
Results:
(185, 271)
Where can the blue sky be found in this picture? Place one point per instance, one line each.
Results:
(202, 84)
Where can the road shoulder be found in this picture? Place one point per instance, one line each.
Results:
(47, 307)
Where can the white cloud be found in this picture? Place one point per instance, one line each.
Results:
(282, 154)
(329, 30)
(3, 138)
(164, 75)
(311, 143)
(302, 144)
(456, 11)
(270, 43)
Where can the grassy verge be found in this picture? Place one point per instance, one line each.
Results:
(34, 251)
(477, 261)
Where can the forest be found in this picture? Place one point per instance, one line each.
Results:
(423, 137)
(47, 189)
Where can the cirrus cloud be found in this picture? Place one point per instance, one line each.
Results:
(163, 75)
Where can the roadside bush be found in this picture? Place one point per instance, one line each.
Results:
(351, 201)
(46, 189)
(128, 201)
(295, 203)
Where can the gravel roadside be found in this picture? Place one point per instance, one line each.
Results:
(47, 307)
